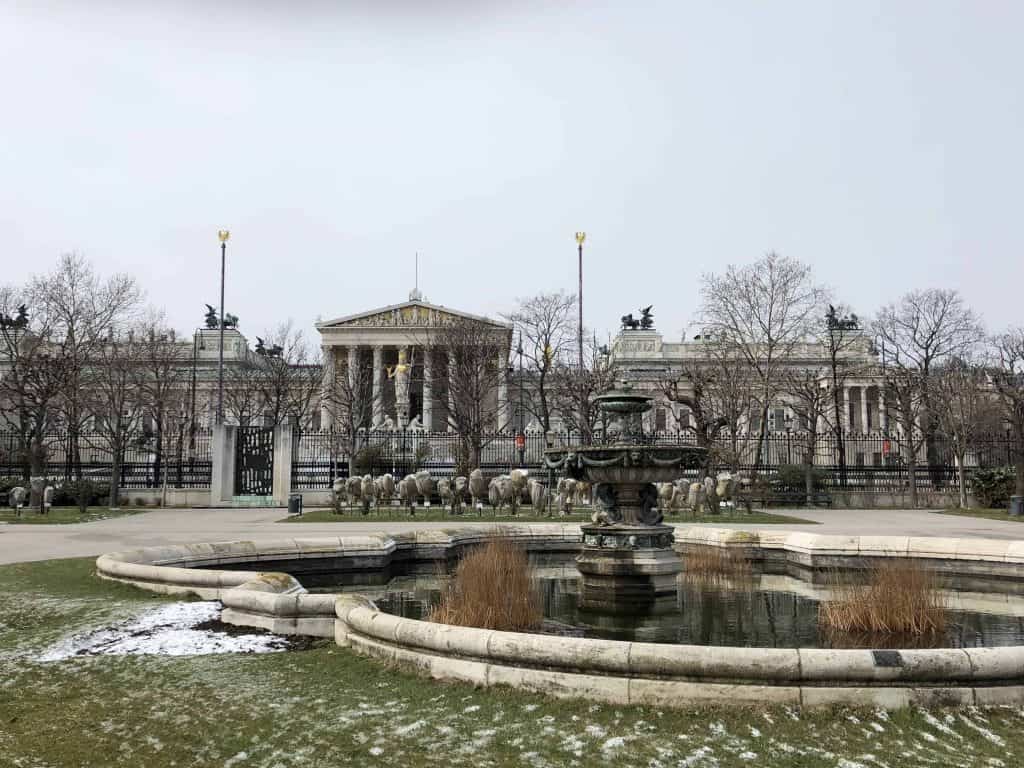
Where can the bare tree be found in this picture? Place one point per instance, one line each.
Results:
(161, 374)
(576, 386)
(547, 330)
(810, 399)
(1007, 376)
(762, 310)
(114, 396)
(921, 331)
(840, 334)
(472, 348)
(961, 406)
(287, 376)
(84, 310)
(715, 393)
(243, 393)
(34, 381)
(348, 398)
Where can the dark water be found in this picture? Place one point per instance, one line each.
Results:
(766, 611)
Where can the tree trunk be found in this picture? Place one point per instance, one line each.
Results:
(962, 478)
(912, 476)
(158, 463)
(761, 433)
(1020, 474)
(115, 475)
(812, 439)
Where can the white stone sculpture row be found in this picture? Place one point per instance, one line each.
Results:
(18, 496)
(501, 492)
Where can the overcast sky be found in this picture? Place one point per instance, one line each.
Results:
(881, 142)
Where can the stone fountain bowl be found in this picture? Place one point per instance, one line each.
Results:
(625, 463)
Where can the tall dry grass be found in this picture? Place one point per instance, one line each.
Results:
(705, 564)
(493, 587)
(901, 597)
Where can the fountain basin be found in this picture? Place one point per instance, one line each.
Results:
(239, 574)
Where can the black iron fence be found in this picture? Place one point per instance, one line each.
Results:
(180, 461)
(868, 461)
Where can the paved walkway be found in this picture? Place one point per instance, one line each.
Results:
(20, 543)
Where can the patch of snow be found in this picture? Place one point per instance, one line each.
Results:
(703, 754)
(236, 759)
(164, 631)
(748, 755)
(754, 732)
(615, 742)
(993, 737)
(405, 730)
(596, 731)
(939, 726)
(473, 708)
(376, 751)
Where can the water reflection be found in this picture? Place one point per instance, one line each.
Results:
(771, 611)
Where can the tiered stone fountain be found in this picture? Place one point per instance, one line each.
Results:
(627, 563)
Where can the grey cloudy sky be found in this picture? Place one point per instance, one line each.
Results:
(881, 142)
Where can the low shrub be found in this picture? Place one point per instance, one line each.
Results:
(71, 493)
(366, 459)
(792, 477)
(993, 487)
(900, 597)
(493, 587)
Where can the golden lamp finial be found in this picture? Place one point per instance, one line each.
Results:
(580, 237)
(223, 235)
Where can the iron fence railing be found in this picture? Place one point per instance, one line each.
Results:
(180, 461)
(872, 461)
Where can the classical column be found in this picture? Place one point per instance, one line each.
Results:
(378, 392)
(353, 369)
(864, 409)
(846, 410)
(428, 392)
(502, 392)
(327, 390)
(883, 414)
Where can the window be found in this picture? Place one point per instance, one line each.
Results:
(660, 419)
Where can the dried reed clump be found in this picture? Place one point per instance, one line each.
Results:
(493, 587)
(707, 563)
(900, 597)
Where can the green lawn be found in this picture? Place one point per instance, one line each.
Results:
(61, 515)
(526, 515)
(328, 707)
(988, 514)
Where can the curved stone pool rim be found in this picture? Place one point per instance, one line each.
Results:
(607, 670)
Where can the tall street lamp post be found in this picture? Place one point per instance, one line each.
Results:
(580, 237)
(223, 235)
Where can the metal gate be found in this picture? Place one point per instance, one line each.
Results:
(254, 461)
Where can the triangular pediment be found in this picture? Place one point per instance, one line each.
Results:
(408, 314)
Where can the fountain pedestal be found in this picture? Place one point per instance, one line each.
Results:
(627, 568)
(627, 564)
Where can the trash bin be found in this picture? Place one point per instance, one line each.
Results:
(295, 504)
(1016, 506)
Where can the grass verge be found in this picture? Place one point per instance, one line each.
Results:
(328, 707)
(64, 515)
(526, 515)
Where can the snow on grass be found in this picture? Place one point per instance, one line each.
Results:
(994, 738)
(167, 630)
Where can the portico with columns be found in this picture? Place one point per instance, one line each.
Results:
(388, 357)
